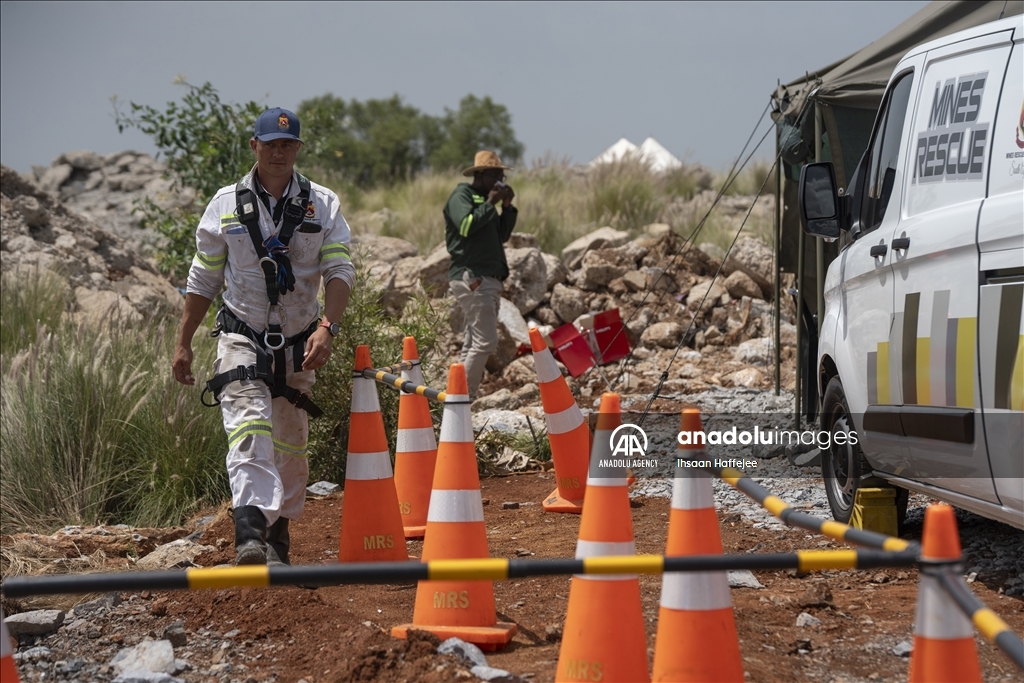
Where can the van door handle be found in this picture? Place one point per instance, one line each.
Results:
(879, 250)
(901, 243)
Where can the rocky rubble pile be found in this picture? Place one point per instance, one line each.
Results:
(663, 289)
(106, 189)
(105, 272)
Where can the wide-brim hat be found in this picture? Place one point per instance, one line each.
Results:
(485, 161)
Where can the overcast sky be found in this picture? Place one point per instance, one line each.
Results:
(576, 77)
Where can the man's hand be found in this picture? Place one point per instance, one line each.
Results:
(496, 195)
(182, 364)
(318, 349)
(507, 197)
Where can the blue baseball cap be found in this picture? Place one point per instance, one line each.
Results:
(275, 124)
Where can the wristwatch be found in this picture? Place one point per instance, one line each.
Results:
(333, 328)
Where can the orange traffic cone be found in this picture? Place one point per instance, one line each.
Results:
(944, 648)
(696, 640)
(603, 638)
(8, 671)
(371, 525)
(455, 530)
(568, 432)
(416, 451)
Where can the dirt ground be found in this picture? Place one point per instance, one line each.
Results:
(336, 634)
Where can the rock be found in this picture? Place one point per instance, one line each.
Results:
(804, 620)
(743, 578)
(507, 421)
(510, 506)
(54, 177)
(658, 280)
(97, 606)
(149, 655)
(489, 673)
(747, 377)
(380, 248)
(463, 650)
(528, 393)
(38, 622)
(434, 272)
(502, 399)
(521, 371)
(568, 303)
(512, 332)
(322, 488)
(596, 272)
(179, 553)
(522, 240)
(81, 160)
(635, 280)
(544, 314)
(147, 677)
(811, 458)
(553, 633)
(527, 280)
(175, 634)
(712, 288)
(754, 352)
(555, 270)
(658, 229)
(712, 250)
(573, 253)
(763, 452)
(31, 210)
(739, 285)
(754, 258)
(33, 654)
(903, 649)
(666, 335)
(817, 594)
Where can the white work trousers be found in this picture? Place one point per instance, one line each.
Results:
(480, 307)
(267, 465)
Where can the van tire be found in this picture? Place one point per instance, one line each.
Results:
(844, 467)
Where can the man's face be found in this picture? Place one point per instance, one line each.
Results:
(275, 158)
(486, 179)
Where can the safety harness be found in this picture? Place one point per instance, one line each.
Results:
(277, 272)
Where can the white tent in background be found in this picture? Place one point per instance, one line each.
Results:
(657, 156)
(616, 152)
(651, 151)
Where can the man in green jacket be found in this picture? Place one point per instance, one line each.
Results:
(475, 233)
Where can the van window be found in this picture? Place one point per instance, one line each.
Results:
(885, 153)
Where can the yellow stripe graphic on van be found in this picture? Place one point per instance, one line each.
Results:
(882, 375)
(966, 334)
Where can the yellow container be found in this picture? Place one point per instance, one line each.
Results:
(875, 510)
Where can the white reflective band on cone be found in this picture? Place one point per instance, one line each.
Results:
(693, 491)
(365, 466)
(415, 440)
(585, 549)
(413, 375)
(547, 369)
(364, 396)
(565, 420)
(456, 423)
(938, 617)
(455, 505)
(695, 591)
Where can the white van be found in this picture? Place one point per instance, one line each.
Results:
(921, 349)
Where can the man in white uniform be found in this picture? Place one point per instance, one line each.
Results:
(267, 242)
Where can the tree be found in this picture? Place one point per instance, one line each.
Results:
(477, 124)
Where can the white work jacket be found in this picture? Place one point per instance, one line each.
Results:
(226, 258)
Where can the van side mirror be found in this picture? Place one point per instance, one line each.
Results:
(819, 200)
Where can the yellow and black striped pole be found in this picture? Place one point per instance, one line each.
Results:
(793, 517)
(988, 623)
(396, 381)
(493, 569)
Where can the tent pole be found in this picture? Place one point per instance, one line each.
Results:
(819, 245)
(799, 323)
(776, 298)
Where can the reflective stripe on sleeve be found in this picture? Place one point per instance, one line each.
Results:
(210, 262)
(464, 227)
(335, 250)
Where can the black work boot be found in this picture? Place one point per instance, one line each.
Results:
(277, 542)
(250, 535)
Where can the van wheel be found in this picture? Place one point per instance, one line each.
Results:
(842, 466)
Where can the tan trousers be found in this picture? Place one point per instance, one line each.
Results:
(480, 339)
